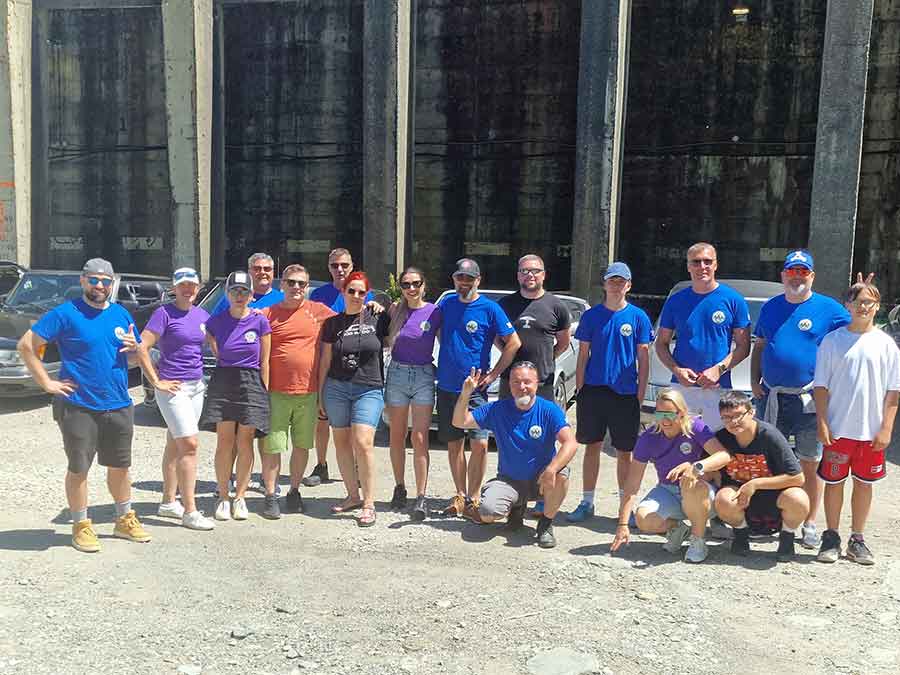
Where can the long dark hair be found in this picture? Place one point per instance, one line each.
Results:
(400, 310)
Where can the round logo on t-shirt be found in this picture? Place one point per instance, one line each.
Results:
(625, 330)
(535, 431)
(685, 448)
(718, 316)
(425, 326)
(804, 324)
(250, 336)
(471, 326)
(119, 331)
(203, 328)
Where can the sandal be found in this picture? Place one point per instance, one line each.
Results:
(346, 506)
(366, 517)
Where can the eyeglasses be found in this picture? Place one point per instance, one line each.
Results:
(797, 272)
(705, 262)
(341, 266)
(100, 281)
(530, 271)
(864, 304)
(665, 415)
(733, 419)
(261, 268)
(238, 290)
(296, 283)
(406, 285)
(357, 292)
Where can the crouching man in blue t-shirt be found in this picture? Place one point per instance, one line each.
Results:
(527, 429)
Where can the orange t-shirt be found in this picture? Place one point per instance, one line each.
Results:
(294, 360)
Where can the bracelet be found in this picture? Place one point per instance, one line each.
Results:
(622, 525)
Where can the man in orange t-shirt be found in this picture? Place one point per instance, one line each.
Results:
(293, 382)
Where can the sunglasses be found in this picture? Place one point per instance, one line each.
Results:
(238, 290)
(733, 419)
(797, 272)
(464, 277)
(262, 268)
(296, 283)
(341, 266)
(356, 292)
(530, 271)
(184, 275)
(665, 415)
(100, 281)
(406, 285)
(706, 262)
(864, 304)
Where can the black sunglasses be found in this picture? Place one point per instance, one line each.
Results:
(406, 285)
(298, 283)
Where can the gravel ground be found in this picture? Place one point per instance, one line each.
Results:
(313, 593)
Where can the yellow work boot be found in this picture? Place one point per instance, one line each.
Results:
(129, 527)
(84, 538)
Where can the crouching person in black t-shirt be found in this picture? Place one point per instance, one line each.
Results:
(762, 486)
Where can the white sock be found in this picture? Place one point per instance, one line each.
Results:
(741, 525)
(587, 496)
(785, 528)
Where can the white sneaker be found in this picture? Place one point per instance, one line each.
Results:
(240, 509)
(697, 550)
(195, 520)
(810, 538)
(223, 510)
(675, 537)
(170, 510)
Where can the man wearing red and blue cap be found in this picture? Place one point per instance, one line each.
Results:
(790, 328)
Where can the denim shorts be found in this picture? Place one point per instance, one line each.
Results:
(665, 500)
(792, 421)
(347, 403)
(406, 384)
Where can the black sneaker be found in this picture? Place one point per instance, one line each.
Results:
(830, 550)
(318, 476)
(419, 510)
(516, 517)
(270, 509)
(857, 551)
(293, 502)
(544, 533)
(740, 545)
(398, 501)
(785, 547)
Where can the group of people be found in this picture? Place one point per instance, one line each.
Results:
(294, 368)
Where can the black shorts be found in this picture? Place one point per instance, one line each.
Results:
(599, 409)
(104, 433)
(545, 391)
(446, 401)
(762, 514)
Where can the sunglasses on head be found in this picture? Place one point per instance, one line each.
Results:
(665, 415)
(184, 275)
(357, 292)
(341, 266)
(262, 268)
(406, 285)
(100, 281)
(296, 283)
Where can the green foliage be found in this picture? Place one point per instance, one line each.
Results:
(393, 288)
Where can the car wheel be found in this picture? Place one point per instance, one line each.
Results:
(559, 394)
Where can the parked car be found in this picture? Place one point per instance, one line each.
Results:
(38, 291)
(10, 273)
(756, 293)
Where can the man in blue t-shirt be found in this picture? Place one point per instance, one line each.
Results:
(527, 429)
(262, 272)
(611, 378)
(703, 319)
(91, 404)
(790, 329)
(470, 323)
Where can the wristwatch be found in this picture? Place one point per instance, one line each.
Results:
(722, 368)
(698, 468)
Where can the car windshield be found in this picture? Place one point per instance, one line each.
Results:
(44, 290)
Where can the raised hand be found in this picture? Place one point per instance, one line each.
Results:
(472, 382)
(129, 340)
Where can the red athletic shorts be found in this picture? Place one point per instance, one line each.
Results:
(846, 455)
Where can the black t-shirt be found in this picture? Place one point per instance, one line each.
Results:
(356, 343)
(537, 322)
(768, 454)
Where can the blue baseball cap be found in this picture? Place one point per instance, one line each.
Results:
(799, 258)
(617, 269)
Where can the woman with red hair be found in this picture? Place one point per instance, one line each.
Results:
(351, 384)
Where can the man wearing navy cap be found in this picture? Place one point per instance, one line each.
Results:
(790, 328)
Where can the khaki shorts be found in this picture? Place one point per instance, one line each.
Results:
(294, 416)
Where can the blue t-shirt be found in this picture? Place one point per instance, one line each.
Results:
(467, 335)
(331, 297)
(260, 300)
(526, 440)
(792, 333)
(703, 326)
(614, 338)
(89, 340)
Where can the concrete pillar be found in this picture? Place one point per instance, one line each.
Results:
(187, 44)
(839, 138)
(388, 40)
(602, 88)
(15, 125)
(217, 150)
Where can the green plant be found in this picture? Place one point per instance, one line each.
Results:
(393, 288)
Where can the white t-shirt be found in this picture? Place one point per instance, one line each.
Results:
(858, 369)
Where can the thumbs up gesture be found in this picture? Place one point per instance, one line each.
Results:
(129, 341)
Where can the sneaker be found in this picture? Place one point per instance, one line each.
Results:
(399, 500)
(129, 527)
(84, 538)
(719, 530)
(195, 520)
(857, 551)
(538, 509)
(810, 538)
(223, 510)
(544, 533)
(581, 513)
(456, 508)
(785, 547)
(697, 550)
(270, 508)
(239, 509)
(318, 476)
(830, 550)
(516, 518)
(470, 512)
(419, 511)
(171, 510)
(740, 545)
(675, 537)
(294, 502)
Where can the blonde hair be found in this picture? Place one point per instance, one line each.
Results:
(675, 397)
(400, 310)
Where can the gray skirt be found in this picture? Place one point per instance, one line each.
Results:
(236, 395)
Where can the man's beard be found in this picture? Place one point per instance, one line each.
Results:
(524, 401)
(467, 295)
(797, 291)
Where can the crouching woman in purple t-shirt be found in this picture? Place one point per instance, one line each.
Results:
(178, 330)
(237, 402)
(686, 455)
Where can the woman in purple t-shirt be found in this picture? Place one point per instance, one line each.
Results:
(687, 457)
(237, 403)
(178, 330)
(410, 384)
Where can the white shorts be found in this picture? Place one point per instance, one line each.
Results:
(703, 402)
(181, 410)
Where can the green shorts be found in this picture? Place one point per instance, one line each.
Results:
(295, 414)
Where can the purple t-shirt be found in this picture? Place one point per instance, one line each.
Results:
(238, 339)
(667, 453)
(414, 343)
(181, 336)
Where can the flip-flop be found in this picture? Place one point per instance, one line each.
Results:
(344, 507)
(366, 517)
